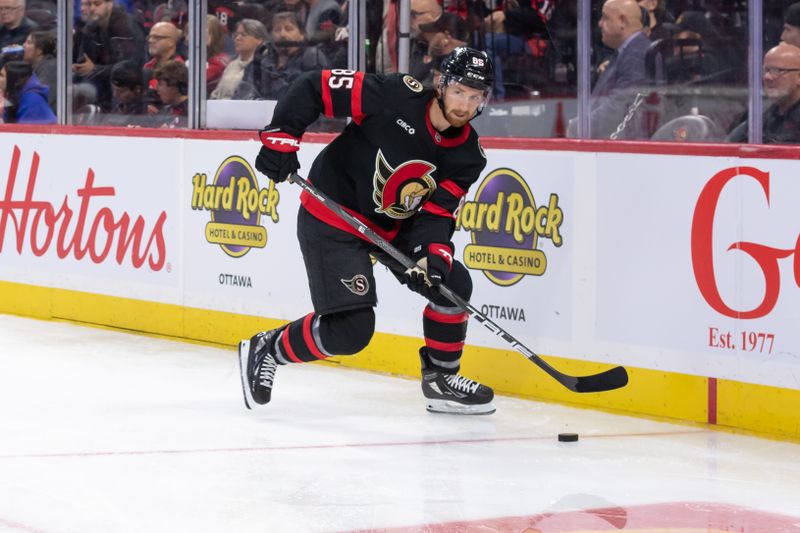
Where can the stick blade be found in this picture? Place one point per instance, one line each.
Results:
(611, 379)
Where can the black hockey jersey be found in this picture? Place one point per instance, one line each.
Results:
(389, 167)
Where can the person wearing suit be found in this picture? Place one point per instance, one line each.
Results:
(617, 86)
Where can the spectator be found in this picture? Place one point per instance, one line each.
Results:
(386, 48)
(781, 80)
(298, 6)
(287, 57)
(128, 106)
(162, 45)
(109, 38)
(515, 30)
(40, 52)
(322, 19)
(791, 25)
(173, 90)
(237, 79)
(443, 35)
(614, 93)
(656, 18)
(422, 12)
(25, 97)
(215, 52)
(14, 25)
(692, 62)
(81, 19)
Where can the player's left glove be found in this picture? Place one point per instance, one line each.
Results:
(278, 157)
(433, 266)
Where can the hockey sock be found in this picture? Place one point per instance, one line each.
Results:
(445, 329)
(316, 337)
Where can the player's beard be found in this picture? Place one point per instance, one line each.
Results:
(457, 121)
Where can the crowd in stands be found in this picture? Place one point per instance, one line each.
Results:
(672, 56)
(128, 56)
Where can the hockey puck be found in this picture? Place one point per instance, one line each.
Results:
(567, 437)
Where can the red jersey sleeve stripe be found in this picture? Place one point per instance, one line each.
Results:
(355, 98)
(434, 209)
(444, 318)
(312, 346)
(451, 187)
(327, 101)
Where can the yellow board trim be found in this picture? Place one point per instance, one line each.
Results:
(765, 410)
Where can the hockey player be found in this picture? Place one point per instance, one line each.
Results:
(402, 166)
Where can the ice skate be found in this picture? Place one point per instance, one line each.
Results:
(453, 393)
(257, 367)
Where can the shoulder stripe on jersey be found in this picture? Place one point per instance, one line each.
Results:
(355, 98)
(453, 188)
(327, 102)
(434, 209)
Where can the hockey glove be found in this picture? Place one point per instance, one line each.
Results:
(278, 157)
(431, 270)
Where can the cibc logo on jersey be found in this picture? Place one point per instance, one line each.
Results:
(506, 225)
(400, 192)
(236, 204)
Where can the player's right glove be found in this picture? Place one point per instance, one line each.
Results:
(432, 268)
(278, 155)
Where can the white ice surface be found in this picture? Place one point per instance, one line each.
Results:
(103, 431)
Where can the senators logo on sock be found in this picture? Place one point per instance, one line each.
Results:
(400, 192)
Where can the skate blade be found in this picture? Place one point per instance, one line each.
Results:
(455, 408)
(244, 350)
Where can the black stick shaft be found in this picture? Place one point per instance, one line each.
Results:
(613, 378)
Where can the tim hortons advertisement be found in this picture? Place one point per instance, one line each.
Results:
(701, 258)
(90, 214)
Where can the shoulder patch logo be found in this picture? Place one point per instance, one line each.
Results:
(358, 284)
(412, 83)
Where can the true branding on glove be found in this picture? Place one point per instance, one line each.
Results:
(280, 141)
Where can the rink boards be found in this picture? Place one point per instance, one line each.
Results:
(681, 263)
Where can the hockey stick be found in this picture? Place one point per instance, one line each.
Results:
(611, 379)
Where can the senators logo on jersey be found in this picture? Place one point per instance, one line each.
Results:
(400, 192)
